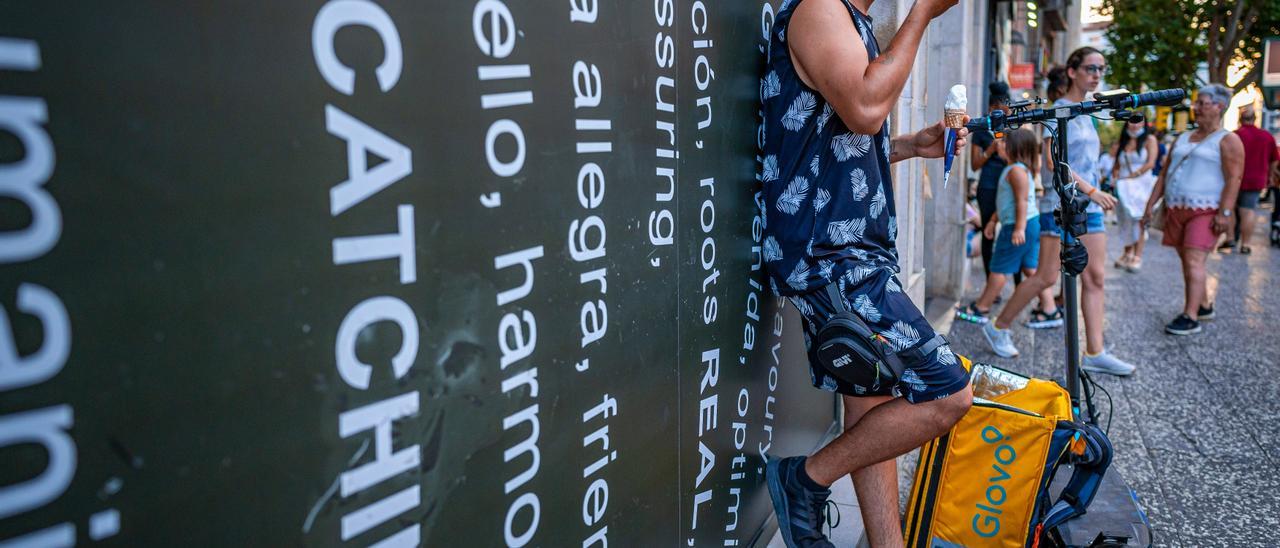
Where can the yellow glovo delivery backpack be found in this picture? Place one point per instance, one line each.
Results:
(986, 482)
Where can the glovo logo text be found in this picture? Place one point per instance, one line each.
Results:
(986, 518)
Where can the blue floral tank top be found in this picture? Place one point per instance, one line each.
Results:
(828, 196)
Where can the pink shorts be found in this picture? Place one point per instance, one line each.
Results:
(1189, 228)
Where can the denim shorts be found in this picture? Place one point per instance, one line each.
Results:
(1008, 258)
(1248, 199)
(876, 296)
(1093, 224)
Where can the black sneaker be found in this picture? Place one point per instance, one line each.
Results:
(1040, 320)
(1182, 325)
(1227, 246)
(799, 509)
(1203, 313)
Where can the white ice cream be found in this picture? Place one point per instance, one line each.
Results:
(957, 98)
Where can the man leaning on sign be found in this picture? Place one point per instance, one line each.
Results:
(830, 227)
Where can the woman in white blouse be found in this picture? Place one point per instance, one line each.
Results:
(1199, 185)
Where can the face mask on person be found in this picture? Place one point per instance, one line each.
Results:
(1133, 133)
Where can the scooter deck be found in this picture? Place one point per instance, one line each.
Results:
(1115, 513)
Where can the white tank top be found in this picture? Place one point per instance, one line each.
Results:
(1197, 182)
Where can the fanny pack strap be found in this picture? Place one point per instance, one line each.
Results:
(837, 300)
(919, 353)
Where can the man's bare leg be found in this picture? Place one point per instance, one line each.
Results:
(886, 431)
(1246, 225)
(875, 485)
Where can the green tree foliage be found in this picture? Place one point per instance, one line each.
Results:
(1153, 42)
(1235, 30)
(1162, 42)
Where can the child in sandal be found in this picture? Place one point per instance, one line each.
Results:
(1017, 244)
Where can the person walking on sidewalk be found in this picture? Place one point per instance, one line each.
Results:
(1084, 70)
(1199, 187)
(1135, 154)
(830, 227)
(1259, 158)
(1017, 246)
(984, 154)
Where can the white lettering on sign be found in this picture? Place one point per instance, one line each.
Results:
(586, 241)
(661, 223)
(47, 428)
(338, 14)
(517, 340)
(358, 190)
(365, 314)
(595, 499)
(494, 28)
(362, 140)
(23, 180)
(587, 235)
(738, 478)
(17, 371)
(50, 427)
(707, 309)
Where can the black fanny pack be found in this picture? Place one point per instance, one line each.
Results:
(850, 351)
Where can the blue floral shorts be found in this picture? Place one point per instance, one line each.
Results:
(876, 296)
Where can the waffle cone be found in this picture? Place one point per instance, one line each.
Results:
(953, 117)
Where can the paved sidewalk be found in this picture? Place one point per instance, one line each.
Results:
(1197, 427)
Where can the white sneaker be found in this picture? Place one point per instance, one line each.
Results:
(1001, 340)
(1107, 363)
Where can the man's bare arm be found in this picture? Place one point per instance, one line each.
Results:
(829, 56)
(929, 142)
(901, 148)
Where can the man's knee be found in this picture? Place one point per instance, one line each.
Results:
(953, 407)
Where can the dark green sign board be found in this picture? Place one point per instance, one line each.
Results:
(388, 274)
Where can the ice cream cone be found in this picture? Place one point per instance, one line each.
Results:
(953, 113)
(949, 153)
